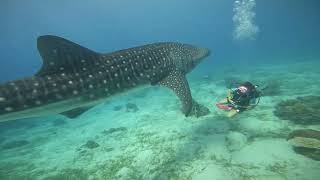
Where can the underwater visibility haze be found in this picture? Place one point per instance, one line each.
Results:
(163, 90)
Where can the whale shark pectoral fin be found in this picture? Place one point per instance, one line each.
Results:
(74, 113)
(61, 55)
(177, 82)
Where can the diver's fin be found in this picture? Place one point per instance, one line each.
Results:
(74, 113)
(61, 55)
(177, 82)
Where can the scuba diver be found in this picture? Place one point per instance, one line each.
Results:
(244, 97)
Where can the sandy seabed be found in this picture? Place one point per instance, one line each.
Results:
(144, 135)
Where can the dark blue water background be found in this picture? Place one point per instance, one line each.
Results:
(289, 29)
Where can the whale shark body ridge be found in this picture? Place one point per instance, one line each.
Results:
(73, 78)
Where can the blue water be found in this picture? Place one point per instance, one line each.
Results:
(153, 140)
(288, 28)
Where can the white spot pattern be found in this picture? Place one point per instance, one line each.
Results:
(8, 109)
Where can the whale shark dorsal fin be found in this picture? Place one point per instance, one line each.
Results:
(61, 55)
(177, 82)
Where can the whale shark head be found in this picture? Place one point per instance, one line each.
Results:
(187, 57)
(198, 54)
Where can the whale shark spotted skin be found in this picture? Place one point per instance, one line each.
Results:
(73, 78)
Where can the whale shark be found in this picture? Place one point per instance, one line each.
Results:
(73, 78)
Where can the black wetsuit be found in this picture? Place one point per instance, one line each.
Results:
(241, 101)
